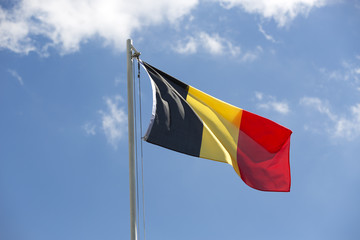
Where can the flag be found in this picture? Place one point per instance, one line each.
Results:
(187, 120)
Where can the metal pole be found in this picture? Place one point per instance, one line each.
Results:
(130, 93)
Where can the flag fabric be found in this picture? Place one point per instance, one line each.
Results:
(189, 121)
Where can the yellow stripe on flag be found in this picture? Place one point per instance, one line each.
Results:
(221, 121)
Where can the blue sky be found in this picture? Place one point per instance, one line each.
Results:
(63, 125)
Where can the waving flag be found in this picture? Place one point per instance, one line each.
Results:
(192, 122)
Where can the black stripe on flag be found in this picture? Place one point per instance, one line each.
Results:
(175, 125)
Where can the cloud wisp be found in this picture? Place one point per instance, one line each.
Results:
(282, 11)
(16, 76)
(344, 127)
(268, 102)
(114, 120)
(212, 43)
(215, 45)
(266, 35)
(349, 72)
(89, 129)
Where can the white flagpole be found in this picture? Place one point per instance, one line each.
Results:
(132, 181)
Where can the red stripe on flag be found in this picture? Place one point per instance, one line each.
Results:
(263, 153)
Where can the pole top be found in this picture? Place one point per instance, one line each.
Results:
(134, 53)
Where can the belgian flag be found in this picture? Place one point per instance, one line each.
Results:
(189, 121)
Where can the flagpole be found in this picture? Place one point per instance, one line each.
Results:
(132, 180)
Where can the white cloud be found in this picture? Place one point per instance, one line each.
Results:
(270, 103)
(282, 11)
(114, 120)
(349, 127)
(66, 24)
(349, 72)
(319, 105)
(251, 56)
(16, 76)
(14, 32)
(187, 46)
(346, 127)
(267, 36)
(214, 44)
(89, 129)
(259, 95)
